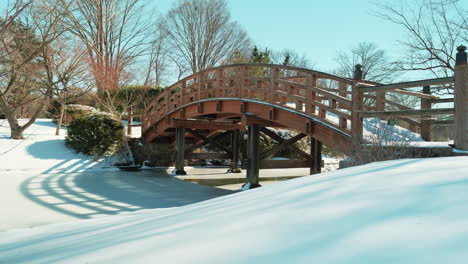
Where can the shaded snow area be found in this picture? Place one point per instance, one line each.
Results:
(44, 182)
(42, 151)
(404, 211)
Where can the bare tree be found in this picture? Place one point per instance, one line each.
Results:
(24, 77)
(114, 35)
(69, 71)
(434, 28)
(157, 59)
(375, 64)
(202, 33)
(11, 13)
(291, 58)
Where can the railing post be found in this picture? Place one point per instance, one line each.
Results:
(201, 84)
(182, 91)
(243, 75)
(220, 82)
(342, 92)
(311, 82)
(426, 124)
(168, 92)
(357, 101)
(461, 99)
(380, 101)
(274, 74)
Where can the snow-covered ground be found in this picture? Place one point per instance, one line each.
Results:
(42, 182)
(404, 211)
(42, 151)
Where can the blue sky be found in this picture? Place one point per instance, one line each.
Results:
(318, 29)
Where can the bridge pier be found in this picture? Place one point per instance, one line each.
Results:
(253, 158)
(234, 168)
(315, 156)
(180, 148)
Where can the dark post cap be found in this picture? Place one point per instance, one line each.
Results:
(358, 72)
(461, 55)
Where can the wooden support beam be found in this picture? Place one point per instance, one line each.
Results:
(248, 119)
(206, 156)
(442, 100)
(399, 113)
(282, 145)
(208, 140)
(206, 124)
(204, 142)
(420, 95)
(235, 136)
(441, 122)
(280, 140)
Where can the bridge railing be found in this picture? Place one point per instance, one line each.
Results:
(376, 102)
(318, 95)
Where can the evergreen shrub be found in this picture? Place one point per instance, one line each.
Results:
(96, 134)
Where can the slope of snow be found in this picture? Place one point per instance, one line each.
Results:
(42, 151)
(405, 211)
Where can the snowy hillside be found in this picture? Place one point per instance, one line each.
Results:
(42, 151)
(405, 211)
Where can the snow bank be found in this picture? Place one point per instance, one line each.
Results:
(42, 151)
(405, 211)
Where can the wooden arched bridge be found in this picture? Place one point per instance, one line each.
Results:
(325, 107)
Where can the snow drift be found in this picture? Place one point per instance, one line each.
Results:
(405, 211)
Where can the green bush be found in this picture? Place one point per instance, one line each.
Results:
(96, 134)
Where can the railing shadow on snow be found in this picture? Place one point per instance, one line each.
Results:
(73, 185)
(90, 194)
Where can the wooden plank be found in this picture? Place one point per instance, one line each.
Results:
(327, 94)
(392, 103)
(420, 95)
(403, 85)
(284, 144)
(399, 113)
(409, 121)
(248, 119)
(441, 122)
(205, 156)
(442, 100)
(284, 164)
(205, 124)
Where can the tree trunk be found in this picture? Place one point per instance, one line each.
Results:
(60, 118)
(129, 120)
(15, 129)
